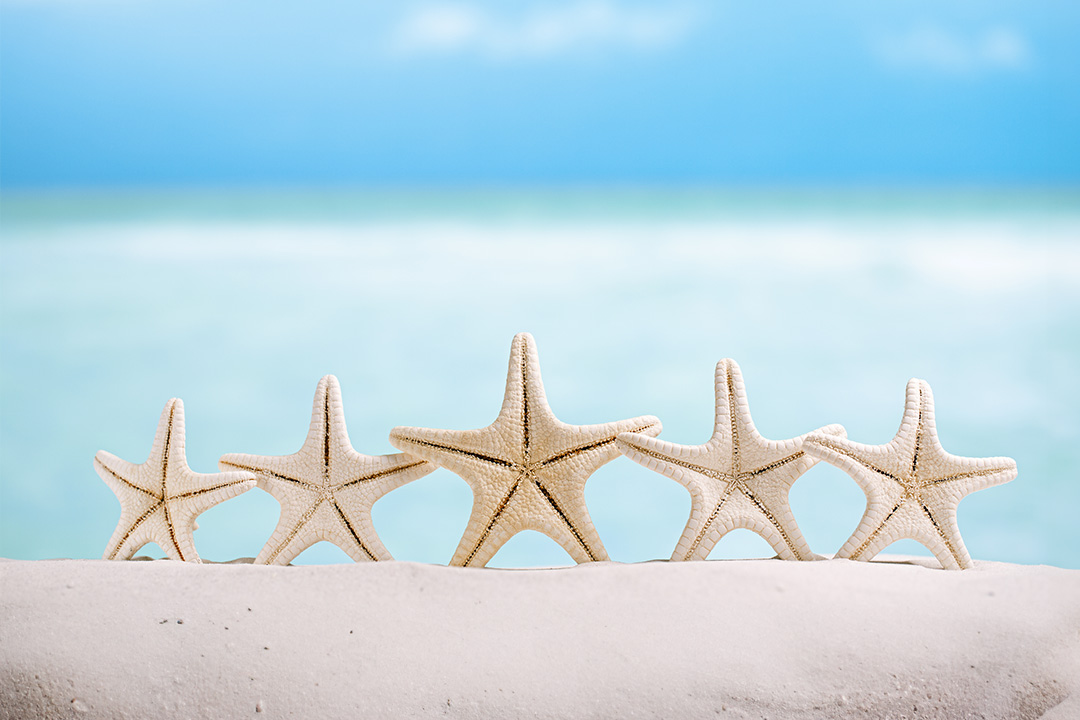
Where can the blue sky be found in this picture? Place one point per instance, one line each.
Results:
(133, 93)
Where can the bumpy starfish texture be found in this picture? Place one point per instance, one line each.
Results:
(161, 498)
(527, 470)
(738, 479)
(326, 489)
(912, 485)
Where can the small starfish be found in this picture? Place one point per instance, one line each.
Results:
(326, 489)
(738, 479)
(527, 469)
(912, 485)
(161, 498)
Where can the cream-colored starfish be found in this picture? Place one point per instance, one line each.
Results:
(527, 469)
(738, 479)
(912, 485)
(326, 489)
(160, 499)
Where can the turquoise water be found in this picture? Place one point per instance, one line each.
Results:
(239, 302)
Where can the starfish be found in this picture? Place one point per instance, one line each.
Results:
(527, 469)
(738, 479)
(326, 489)
(160, 499)
(912, 485)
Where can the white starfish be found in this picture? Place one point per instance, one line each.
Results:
(527, 469)
(912, 485)
(738, 479)
(161, 498)
(326, 489)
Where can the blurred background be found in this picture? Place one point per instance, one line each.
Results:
(225, 201)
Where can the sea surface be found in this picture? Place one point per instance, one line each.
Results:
(238, 302)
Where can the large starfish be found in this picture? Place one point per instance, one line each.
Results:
(738, 479)
(160, 499)
(912, 485)
(527, 469)
(326, 489)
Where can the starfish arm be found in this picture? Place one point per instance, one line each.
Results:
(864, 463)
(946, 542)
(917, 424)
(770, 516)
(292, 534)
(471, 454)
(688, 465)
(761, 455)
(332, 410)
(170, 427)
(524, 396)
(178, 540)
(355, 532)
(589, 447)
(941, 497)
(168, 452)
(174, 535)
(325, 431)
(873, 523)
(381, 474)
(120, 475)
(132, 531)
(968, 475)
(936, 528)
(198, 492)
(733, 420)
(699, 536)
(565, 518)
(727, 384)
(484, 533)
(938, 468)
(582, 543)
(836, 430)
(274, 471)
(325, 411)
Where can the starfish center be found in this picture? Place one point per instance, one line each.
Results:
(912, 486)
(528, 471)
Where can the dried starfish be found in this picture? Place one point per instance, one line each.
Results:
(738, 479)
(912, 485)
(527, 469)
(326, 489)
(161, 498)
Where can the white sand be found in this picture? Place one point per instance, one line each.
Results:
(759, 638)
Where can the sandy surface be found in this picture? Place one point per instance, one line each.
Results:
(758, 638)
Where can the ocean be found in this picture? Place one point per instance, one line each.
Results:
(238, 302)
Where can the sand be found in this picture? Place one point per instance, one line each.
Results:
(735, 639)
